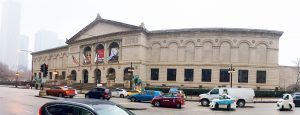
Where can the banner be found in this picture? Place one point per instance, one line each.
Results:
(75, 60)
(99, 57)
(113, 54)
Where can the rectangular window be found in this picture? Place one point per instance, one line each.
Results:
(224, 75)
(261, 76)
(206, 75)
(243, 76)
(188, 74)
(63, 73)
(154, 74)
(171, 75)
(50, 75)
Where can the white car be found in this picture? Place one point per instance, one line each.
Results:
(224, 101)
(119, 93)
(286, 102)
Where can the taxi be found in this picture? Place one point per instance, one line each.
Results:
(224, 101)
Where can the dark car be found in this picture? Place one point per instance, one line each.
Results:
(296, 100)
(83, 107)
(61, 91)
(168, 100)
(99, 93)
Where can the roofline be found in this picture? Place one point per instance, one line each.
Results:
(279, 33)
(56, 48)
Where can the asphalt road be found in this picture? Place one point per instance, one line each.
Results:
(14, 101)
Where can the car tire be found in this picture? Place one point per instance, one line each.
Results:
(204, 102)
(71, 96)
(241, 103)
(60, 95)
(132, 99)
(87, 96)
(178, 105)
(121, 96)
(156, 104)
(228, 107)
(216, 106)
(290, 107)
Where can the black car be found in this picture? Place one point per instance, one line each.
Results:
(99, 93)
(297, 100)
(83, 107)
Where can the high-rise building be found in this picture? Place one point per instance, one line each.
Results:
(10, 32)
(23, 54)
(45, 39)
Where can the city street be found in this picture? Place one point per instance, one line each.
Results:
(16, 101)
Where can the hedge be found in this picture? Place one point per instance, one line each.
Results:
(191, 91)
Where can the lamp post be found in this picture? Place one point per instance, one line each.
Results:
(17, 74)
(131, 69)
(230, 71)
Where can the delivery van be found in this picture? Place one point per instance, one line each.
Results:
(242, 95)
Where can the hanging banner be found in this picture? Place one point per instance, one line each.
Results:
(99, 55)
(113, 54)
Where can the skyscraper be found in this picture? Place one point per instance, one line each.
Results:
(45, 39)
(23, 55)
(10, 32)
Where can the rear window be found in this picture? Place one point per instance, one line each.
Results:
(111, 110)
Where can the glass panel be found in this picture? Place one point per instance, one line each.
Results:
(260, 76)
(188, 74)
(243, 76)
(224, 75)
(154, 74)
(206, 75)
(171, 75)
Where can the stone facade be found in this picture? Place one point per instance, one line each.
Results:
(191, 52)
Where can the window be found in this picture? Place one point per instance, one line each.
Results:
(154, 74)
(260, 76)
(171, 75)
(243, 76)
(206, 75)
(214, 91)
(188, 74)
(224, 75)
(50, 75)
(67, 110)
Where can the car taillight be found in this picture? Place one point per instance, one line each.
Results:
(40, 111)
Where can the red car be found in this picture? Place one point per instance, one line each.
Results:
(61, 91)
(168, 100)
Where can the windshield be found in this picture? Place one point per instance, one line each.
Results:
(111, 110)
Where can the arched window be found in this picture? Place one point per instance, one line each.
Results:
(87, 55)
(111, 74)
(97, 76)
(73, 75)
(113, 52)
(127, 74)
(85, 74)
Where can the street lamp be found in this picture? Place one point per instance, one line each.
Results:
(230, 71)
(131, 69)
(17, 74)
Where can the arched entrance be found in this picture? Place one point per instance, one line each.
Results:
(97, 74)
(127, 77)
(85, 76)
(73, 75)
(111, 77)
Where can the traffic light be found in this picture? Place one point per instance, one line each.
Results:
(46, 70)
(42, 68)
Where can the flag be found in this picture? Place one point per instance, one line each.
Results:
(84, 59)
(113, 52)
(75, 60)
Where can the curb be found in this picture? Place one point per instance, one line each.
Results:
(132, 108)
(47, 97)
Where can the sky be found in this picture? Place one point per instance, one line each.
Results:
(67, 17)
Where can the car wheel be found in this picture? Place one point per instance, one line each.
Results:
(133, 99)
(156, 104)
(290, 107)
(216, 106)
(121, 96)
(204, 102)
(47, 93)
(241, 103)
(228, 107)
(87, 96)
(71, 96)
(178, 105)
(60, 95)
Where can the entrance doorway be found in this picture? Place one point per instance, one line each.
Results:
(97, 76)
(85, 76)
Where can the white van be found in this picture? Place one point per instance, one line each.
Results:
(242, 95)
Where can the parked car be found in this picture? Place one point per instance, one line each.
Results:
(296, 99)
(83, 107)
(61, 91)
(296, 93)
(119, 93)
(175, 90)
(168, 100)
(286, 102)
(224, 101)
(131, 92)
(99, 93)
(242, 95)
(147, 95)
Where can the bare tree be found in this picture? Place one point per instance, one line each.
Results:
(5, 73)
(296, 86)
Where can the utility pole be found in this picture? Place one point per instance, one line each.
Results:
(230, 71)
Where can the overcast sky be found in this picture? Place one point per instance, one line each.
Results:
(67, 17)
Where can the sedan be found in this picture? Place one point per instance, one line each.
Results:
(61, 91)
(119, 93)
(99, 93)
(168, 100)
(224, 101)
(296, 100)
(83, 107)
(146, 95)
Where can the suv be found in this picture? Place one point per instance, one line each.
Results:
(99, 93)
